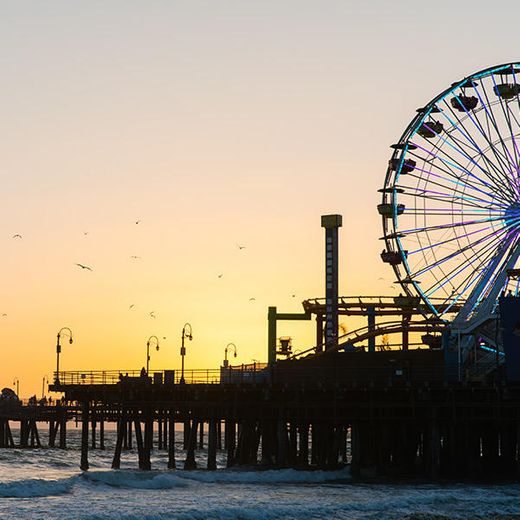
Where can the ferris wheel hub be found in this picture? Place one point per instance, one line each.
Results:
(512, 216)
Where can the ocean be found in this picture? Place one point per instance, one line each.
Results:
(46, 483)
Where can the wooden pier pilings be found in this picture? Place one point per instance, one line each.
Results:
(390, 431)
(6, 436)
(28, 417)
(443, 431)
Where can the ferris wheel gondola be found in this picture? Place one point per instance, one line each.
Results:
(451, 200)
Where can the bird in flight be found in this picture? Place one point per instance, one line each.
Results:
(17, 236)
(85, 233)
(220, 275)
(152, 314)
(135, 257)
(84, 267)
(131, 306)
(137, 222)
(4, 315)
(293, 295)
(241, 247)
(252, 299)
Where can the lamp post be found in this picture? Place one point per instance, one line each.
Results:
(228, 346)
(64, 331)
(44, 380)
(148, 350)
(16, 382)
(189, 335)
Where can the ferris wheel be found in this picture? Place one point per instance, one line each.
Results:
(451, 199)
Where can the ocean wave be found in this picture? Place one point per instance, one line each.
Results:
(181, 478)
(36, 487)
(136, 479)
(275, 476)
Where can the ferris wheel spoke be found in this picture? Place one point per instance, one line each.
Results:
(454, 188)
(449, 225)
(502, 159)
(451, 211)
(517, 105)
(475, 211)
(497, 188)
(451, 176)
(461, 288)
(471, 143)
(513, 118)
(471, 115)
(457, 165)
(469, 148)
(447, 198)
(509, 116)
(481, 260)
(452, 165)
(458, 150)
(498, 176)
(491, 122)
(443, 242)
(474, 276)
(488, 110)
(493, 235)
(440, 246)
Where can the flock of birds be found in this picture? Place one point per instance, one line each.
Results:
(151, 314)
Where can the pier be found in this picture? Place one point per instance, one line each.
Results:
(394, 429)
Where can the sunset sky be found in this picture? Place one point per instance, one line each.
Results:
(214, 124)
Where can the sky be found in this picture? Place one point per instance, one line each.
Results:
(213, 124)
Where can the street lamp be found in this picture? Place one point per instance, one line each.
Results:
(229, 345)
(16, 382)
(148, 350)
(44, 380)
(189, 335)
(65, 331)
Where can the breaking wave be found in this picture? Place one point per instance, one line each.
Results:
(36, 487)
(173, 479)
(275, 476)
(136, 479)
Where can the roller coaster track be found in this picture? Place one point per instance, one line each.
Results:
(382, 305)
(364, 333)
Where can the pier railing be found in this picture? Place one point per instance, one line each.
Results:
(250, 373)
